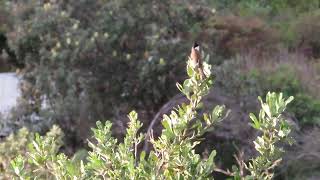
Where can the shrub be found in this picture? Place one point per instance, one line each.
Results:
(84, 60)
(305, 107)
(6, 54)
(275, 129)
(306, 33)
(4, 17)
(242, 35)
(173, 156)
(244, 83)
(275, 7)
(13, 145)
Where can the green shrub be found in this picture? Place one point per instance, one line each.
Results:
(275, 7)
(4, 17)
(6, 54)
(306, 108)
(13, 145)
(86, 59)
(275, 129)
(173, 155)
(284, 78)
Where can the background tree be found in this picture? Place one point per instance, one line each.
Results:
(83, 60)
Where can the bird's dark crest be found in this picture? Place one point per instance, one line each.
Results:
(196, 46)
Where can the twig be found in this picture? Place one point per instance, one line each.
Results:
(226, 172)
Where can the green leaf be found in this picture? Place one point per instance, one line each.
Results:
(289, 100)
(133, 115)
(166, 122)
(179, 86)
(206, 118)
(266, 109)
(256, 124)
(36, 146)
(190, 71)
(142, 156)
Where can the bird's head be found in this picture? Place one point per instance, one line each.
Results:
(196, 46)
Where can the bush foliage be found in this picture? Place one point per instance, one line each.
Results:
(81, 61)
(284, 78)
(89, 60)
(173, 156)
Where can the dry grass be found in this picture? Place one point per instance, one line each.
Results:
(306, 70)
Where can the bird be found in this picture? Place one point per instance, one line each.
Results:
(196, 61)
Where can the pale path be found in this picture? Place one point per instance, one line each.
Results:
(9, 91)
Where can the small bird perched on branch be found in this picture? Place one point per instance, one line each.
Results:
(196, 61)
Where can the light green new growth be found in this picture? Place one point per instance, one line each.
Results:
(274, 130)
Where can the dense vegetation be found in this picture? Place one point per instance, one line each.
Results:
(173, 156)
(85, 61)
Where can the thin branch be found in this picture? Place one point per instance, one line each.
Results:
(226, 172)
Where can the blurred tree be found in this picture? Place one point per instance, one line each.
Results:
(83, 59)
(7, 55)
